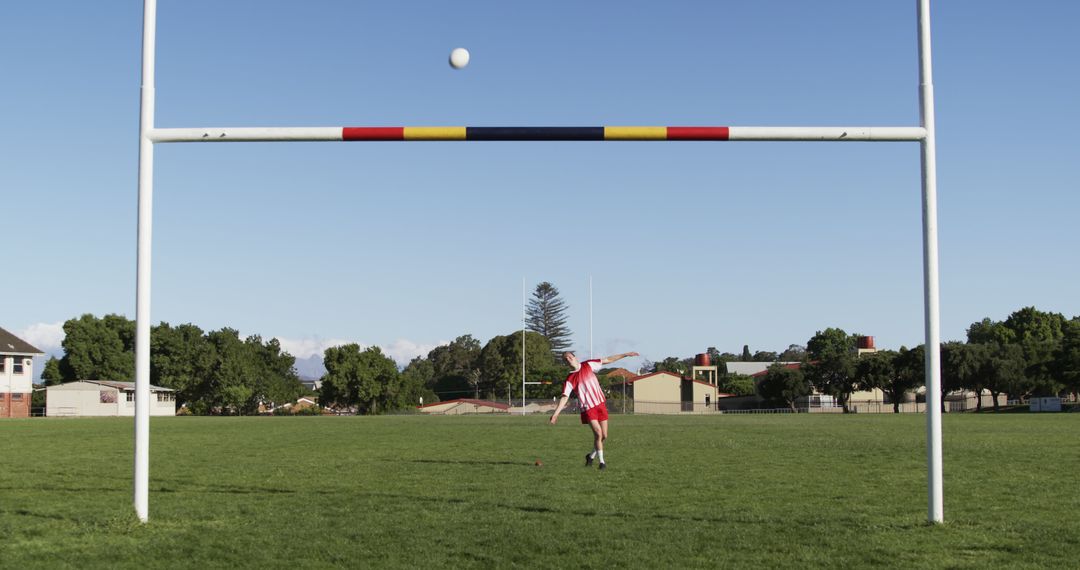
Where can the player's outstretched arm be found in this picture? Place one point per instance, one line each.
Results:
(559, 409)
(610, 359)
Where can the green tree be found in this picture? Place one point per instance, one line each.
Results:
(672, 364)
(1067, 358)
(784, 385)
(999, 369)
(358, 378)
(746, 356)
(737, 384)
(793, 353)
(960, 364)
(276, 381)
(51, 374)
(987, 331)
(1039, 335)
(417, 380)
(226, 387)
(181, 358)
(877, 370)
(546, 314)
(453, 365)
(765, 356)
(1031, 323)
(99, 349)
(910, 373)
(500, 364)
(831, 366)
(1003, 372)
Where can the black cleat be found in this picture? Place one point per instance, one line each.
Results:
(588, 460)
(603, 466)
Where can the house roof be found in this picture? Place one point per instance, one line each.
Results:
(469, 401)
(11, 344)
(126, 386)
(791, 365)
(620, 373)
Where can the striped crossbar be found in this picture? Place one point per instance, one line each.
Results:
(240, 134)
(533, 133)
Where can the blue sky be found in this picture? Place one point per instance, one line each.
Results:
(408, 245)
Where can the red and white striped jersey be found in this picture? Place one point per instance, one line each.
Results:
(588, 387)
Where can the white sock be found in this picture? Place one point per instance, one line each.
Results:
(601, 454)
(593, 454)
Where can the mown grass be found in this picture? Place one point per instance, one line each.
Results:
(722, 491)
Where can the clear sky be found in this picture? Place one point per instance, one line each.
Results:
(408, 245)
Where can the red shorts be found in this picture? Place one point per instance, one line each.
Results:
(598, 413)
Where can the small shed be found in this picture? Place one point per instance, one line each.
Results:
(104, 398)
(1045, 404)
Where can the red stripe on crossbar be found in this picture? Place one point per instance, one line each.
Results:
(373, 133)
(697, 133)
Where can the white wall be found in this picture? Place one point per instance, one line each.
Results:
(84, 399)
(17, 383)
(79, 399)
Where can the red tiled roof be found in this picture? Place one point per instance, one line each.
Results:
(790, 365)
(621, 373)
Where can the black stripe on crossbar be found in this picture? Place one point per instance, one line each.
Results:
(534, 133)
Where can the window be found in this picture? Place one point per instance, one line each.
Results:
(3, 365)
(16, 397)
(17, 368)
(130, 396)
(165, 397)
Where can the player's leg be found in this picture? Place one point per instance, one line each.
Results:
(598, 440)
(598, 435)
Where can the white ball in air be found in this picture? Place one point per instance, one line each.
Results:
(459, 58)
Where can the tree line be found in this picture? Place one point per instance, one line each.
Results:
(1030, 353)
(217, 372)
(214, 372)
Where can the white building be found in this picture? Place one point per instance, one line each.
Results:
(16, 375)
(104, 398)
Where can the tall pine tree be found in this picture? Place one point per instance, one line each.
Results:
(546, 315)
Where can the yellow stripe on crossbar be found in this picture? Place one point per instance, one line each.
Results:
(635, 133)
(434, 133)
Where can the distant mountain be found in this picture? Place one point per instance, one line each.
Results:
(310, 368)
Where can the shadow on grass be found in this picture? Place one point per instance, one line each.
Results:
(727, 518)
(228, 489)
(29, 513)
(533, 509)
(463, 462)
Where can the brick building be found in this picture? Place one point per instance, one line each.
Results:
(16, 375)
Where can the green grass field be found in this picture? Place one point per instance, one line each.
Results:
(722, 491)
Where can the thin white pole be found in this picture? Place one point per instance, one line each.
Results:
(142, 280)
(591, 354)
(930, 270)
(523, 346)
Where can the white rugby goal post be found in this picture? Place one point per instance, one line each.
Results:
(149, 135)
